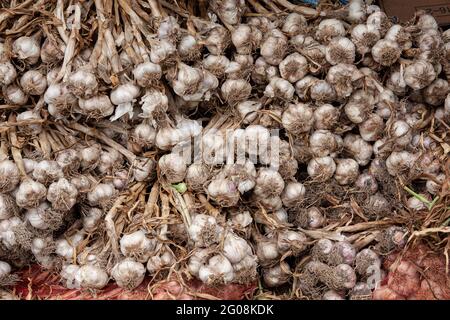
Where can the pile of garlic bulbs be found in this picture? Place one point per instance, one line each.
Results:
(228, 141)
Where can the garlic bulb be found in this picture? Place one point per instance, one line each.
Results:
(294, 67)
(8, 206)
(269, 183)
(47, 171)
(273, 48)
(229, 11)
(291, 240)
(277, 275)
(153, 103)
(419, 74)
(401, 132)
(248, 110)
(329, 29)
(5, 269)
(364, 37)
(173, 167)
(59, 100)
(26, 48)
(436, 92)
(14, 95)
(325, 117)
(62, 194)
(224, 192)
(322, 143)
(360, 149)
(235, 249)
(9, 176)
(38, 217)
(101, 194)
(217, 39)
(380, 21)
(144, 135)
(122, 97)
(64, 249)
(137, 246)
(30, 193)
(322, 91)
(162, 51)
(298, 118)
(246, 38)
(91, 220)
(197, 174)
(367, 182)
(204, 230)
(33, 83)
(147, 73)
(372, 128)
(293, 194)
(399, 161)
(359, 106)
(91, 277)
(294, 24)
(216, 64)
(83, 83)
(128, 273)
(321, 169)
(347, 171)
(386, 52)
(218, 270)
(235, 91)
(7, 73)
(342, 77)
(340, 50)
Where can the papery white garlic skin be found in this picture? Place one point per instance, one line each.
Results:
(235, 91)
(5, 269)
(128, 273)
(330, 28)
(197, 174)
(277, 275)
(62, 194)
(398, 161)
(347, 171)
(83, 83)
(419, 74)
(47, 171)
(224, 192)
(146, 73)
(143, 168)
(273, 48)
(386, 52)
(34, 216)
(33, 82)
(92, 277)
(92, 219)
(173, 167)
(218, 268)
(294, 24)
(101, 194)
(15, 95)
(9, 176)
(27, 48)
(298, 118)
(64, 249)
(340, 50)
(30, 193)
(321, 168)
(293, 194)
(137, 245)
(204, 225)
(294, 67)
(235, 248)
(98, 106)
(7, 73)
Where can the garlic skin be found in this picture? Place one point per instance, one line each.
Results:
(347, 171)
(197, 174)
(291, 240)
(224, 192)
(62, 194)
(325, 117)
(9, 176)
(229, 11)
(400, 131)
(322, 143)
(47, 171)
(277, 275)
(147, 73)
(367, 182)
(322, 91)
(59, 100)
(269, 183)
(168, 137)
(101, 194)
(218, 270)
(380, 21)
(235, 91)
(340, 50)
(216, 64)
(322, 168)
(14, 95)
(91, 277)
(204, 230)
(36, 216)
(436, 92)
(359, 106)
(33, 83)
(96, 107)
(5, 269)
(360, 150)
(8, 206)
(386, 52)
(30, 193)
(162, 51)
(128, 273)
(246, 38)
(419, 74)
(399, 161)
(342, 78)
(235, 249)
(294, 67)
(137, 246)
(294, 24)
(329, 29)
(372, 128)
(143, 169)
(122, 97)
(83, 83)
(248, 110)
(7, 73)
(273, 48)
(153, 102)
(364, 37)
(26, 48)
(293, 194)
(144, 135)
(64, 249)
(279, 88)
(298, 118)
(91, 220)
